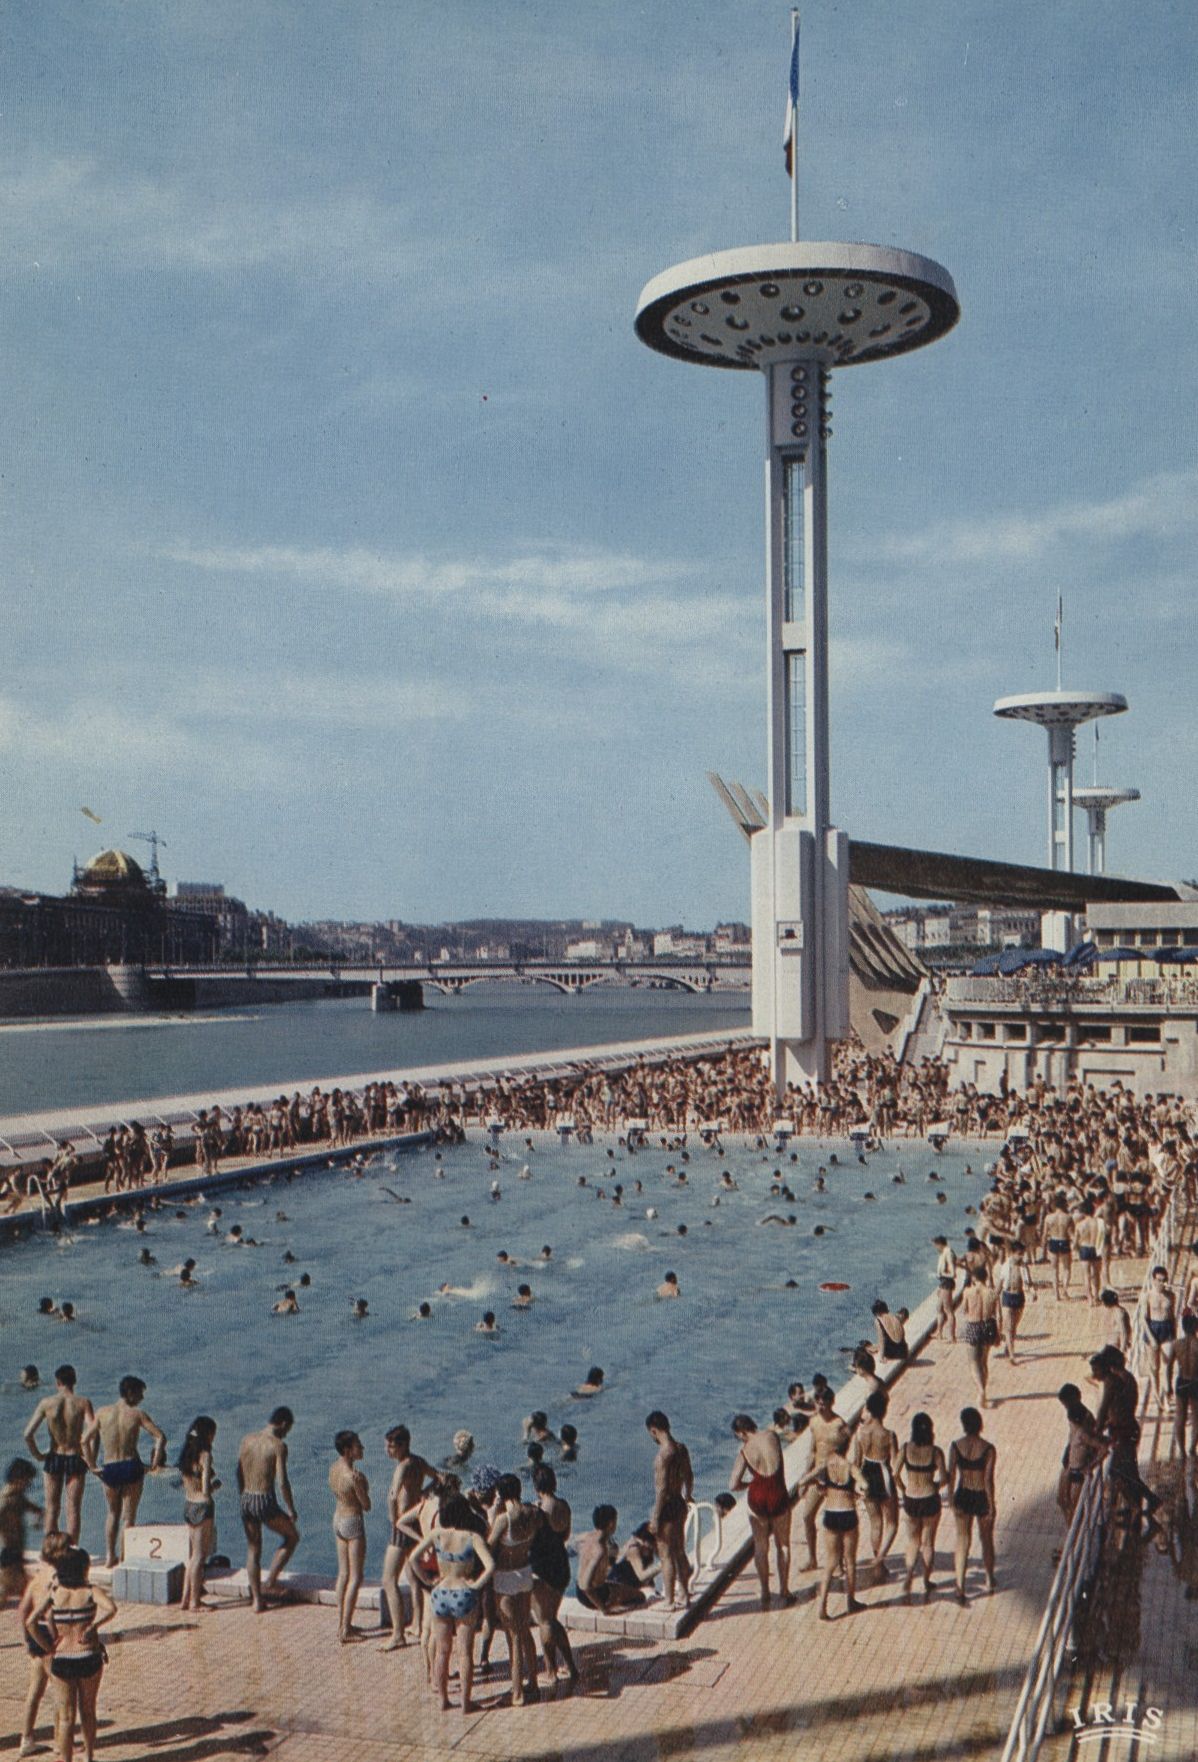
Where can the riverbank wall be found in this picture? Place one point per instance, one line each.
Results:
(46, 992)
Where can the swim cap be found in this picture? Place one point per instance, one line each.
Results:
(485, 1478)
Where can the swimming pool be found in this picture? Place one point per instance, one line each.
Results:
(734, 1340)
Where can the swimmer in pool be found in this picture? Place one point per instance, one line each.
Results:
(523, 1298)
(424, 1312)
(593, 1384)
(569, 1443)
(785, 1223)
(145, 1258)
(487, 1325)
(187, 1278)
(669, 1286)
(288, 1304)
(361, 1309)
(535, 1429)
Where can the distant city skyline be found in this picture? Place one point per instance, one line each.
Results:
(353, 541)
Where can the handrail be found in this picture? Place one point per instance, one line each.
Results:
(1038, 1695)
(717, 1530)
(1078, 1557)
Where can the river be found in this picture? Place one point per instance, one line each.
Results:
(134, 1058)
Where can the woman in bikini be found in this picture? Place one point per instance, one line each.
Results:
(199, 1507)
(971, 1487)
(351, 1491)
(73, 1611)
(875, 1450)
(511, 1535)
(920, 1472)
(455, 1596)
(841, 1483)
(759, 1461)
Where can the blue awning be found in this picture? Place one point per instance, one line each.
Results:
(1125, 954)
(1082, 954)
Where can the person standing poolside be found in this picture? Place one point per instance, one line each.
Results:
(199, 1505)
(1185, 1389)
(1118, 1423)
(828, 1433)
(946, 1280)
(411, 1479)
(1058, 1246)
(979, 1316)
(551, 1576)
(1089, 1238)
(15, 1506)
(351, 1492)
(116, 1429)
(73, 1611)
(759, 1460)
(920, 1472)
(1083, 1449)
(513, 1527)
(1013, 1281)
(65, 1416)
(971, 1463)
(874, 1453)
(1117, 1322)
(40, 1643)
(674, 1488)
(261, 1461)
(1160, 1322)
(841, 1484)
(455, 1598)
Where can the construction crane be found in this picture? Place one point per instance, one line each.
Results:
(153, 840)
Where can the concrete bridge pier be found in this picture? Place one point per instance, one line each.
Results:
(402, 994)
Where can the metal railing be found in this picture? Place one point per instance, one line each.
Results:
(1078, 1559)
(1037, 1698)
(715, 1533)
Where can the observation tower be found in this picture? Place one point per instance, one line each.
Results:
(1062, 713)
(793, 313)
(1097, 801)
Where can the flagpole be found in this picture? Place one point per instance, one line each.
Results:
(794, 137)
(1060, 625)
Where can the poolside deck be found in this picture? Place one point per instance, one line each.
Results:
(894, 1683)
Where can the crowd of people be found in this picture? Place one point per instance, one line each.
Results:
(1080, 1180)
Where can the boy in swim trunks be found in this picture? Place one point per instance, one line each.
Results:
(65, 1415)
(15, 1506)
(261, 1460)
(117, 1429)
(674, 1489)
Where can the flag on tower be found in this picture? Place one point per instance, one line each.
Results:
(789, 133)
(1056, 629)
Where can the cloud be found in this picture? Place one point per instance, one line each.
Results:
(1162, 507)
(94, 737)
(325, 700)
(65, 209)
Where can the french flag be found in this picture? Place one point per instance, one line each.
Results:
(792, 107)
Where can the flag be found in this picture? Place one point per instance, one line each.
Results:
(92, 816)
(1056, 629)
(792, 108)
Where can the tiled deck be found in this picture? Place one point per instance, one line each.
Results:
(894, 1683)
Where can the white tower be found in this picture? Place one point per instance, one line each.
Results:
(794, 312)
(1097, 802)
(1062, 713)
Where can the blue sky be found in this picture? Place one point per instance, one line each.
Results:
(350, 537)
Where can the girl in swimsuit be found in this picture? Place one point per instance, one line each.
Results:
(512, 1531)
(455, 1597)
(551, 1575)
(874, 1452)
(351, 1491)
(199, 1508)
(892, 1338)
(841, 1484)
(920, 1472)
(73, 1611)
(759, 1460)
(971, 1486)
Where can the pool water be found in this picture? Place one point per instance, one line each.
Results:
(733, 1340)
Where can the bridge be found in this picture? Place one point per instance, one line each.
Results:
(708, 973)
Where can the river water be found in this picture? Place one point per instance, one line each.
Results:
(134, 1058)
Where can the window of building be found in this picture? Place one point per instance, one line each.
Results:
(987, 1031)
(1145, 1034)
(1015, 1031)
(967, 1030)
(1092, 1034)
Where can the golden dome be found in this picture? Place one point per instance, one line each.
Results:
(113, 868)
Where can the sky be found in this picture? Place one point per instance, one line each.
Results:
(350, 538)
